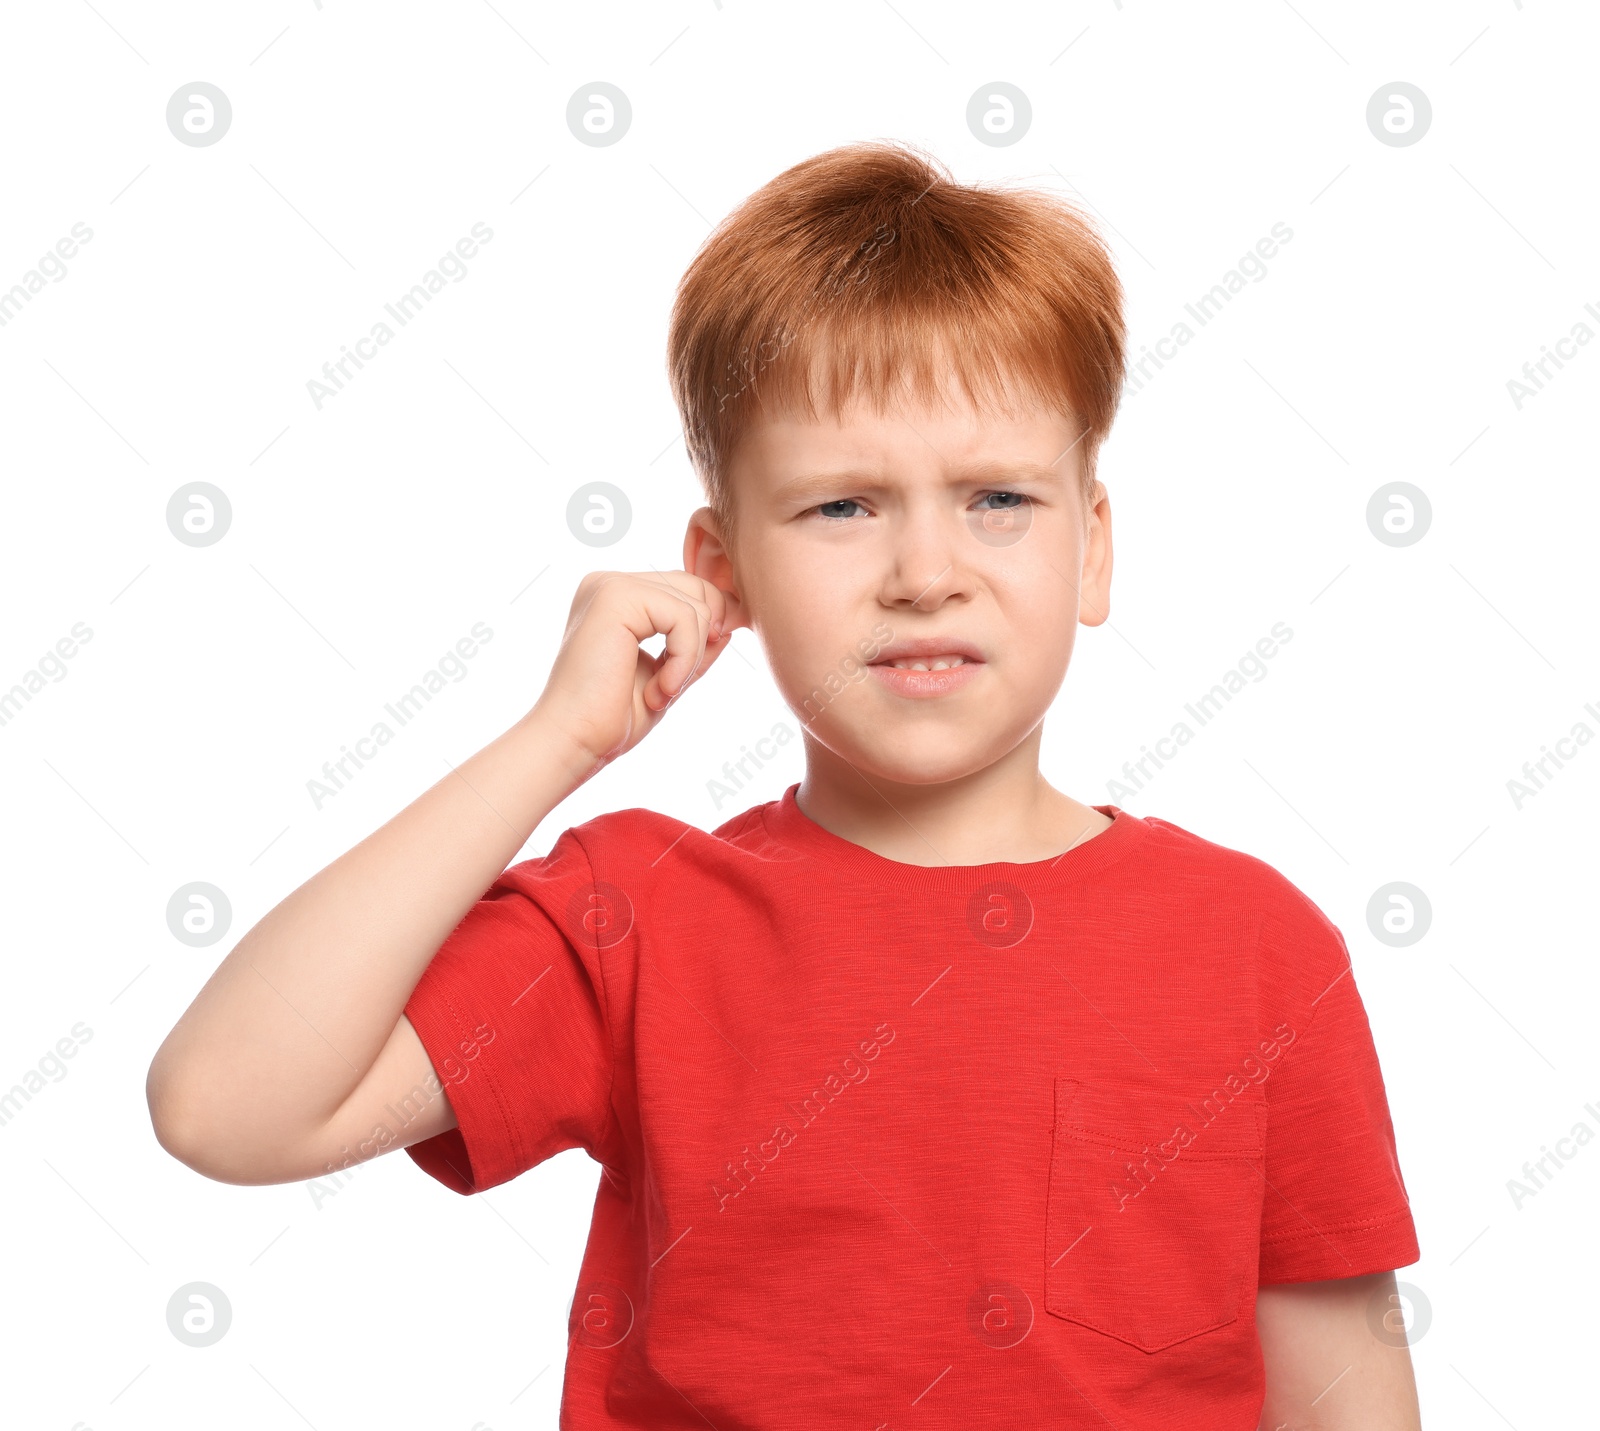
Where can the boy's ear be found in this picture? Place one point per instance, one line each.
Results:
(1094, 587)
(705, 556)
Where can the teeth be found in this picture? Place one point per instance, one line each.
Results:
(940, 663)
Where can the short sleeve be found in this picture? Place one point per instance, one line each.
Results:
(512, 1011)
(1335, 1204)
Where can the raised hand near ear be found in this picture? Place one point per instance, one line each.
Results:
(606, 694)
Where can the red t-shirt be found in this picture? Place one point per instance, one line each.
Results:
(887, 1145)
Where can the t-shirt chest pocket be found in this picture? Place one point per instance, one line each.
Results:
(1154, 1212)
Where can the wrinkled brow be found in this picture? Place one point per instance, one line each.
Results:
(820, 484)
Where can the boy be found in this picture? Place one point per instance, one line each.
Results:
(925, 1095)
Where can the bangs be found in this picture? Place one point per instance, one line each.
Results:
(888, 357)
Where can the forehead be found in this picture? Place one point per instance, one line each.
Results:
(906, 438)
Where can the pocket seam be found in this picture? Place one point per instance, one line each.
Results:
(1078, 1131)
(1240, 1143)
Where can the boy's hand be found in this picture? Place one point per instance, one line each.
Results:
(604, 693)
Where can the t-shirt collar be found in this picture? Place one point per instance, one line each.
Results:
(788, 825)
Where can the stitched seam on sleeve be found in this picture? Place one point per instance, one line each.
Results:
(509, 1137)
(1365, 1224)
(605, 1005)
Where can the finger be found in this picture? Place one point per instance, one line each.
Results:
(685, 629)
(721, 610)
(647, 607)
(650, 605)
(712, 600)
(713, 647)
(721, 607)
(670, 598)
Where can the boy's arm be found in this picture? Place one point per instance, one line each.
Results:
(297, 1042)
(1327, 1369)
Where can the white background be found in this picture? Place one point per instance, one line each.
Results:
(369, 536)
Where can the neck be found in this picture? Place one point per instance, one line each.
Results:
(1007, 811)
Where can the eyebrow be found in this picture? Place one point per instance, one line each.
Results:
(816, 483)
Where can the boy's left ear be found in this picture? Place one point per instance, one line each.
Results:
(1094, 587)
(705, 556)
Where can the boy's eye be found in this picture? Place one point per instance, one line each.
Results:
(832, 509)
(1002, 500)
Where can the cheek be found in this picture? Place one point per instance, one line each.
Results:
(797, 625)
(1036, 610)
(801, 607)
(1035, 582)
(796, 650)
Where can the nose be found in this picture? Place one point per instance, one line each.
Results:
(926, 562)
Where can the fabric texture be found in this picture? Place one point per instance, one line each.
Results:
(1005, 1144)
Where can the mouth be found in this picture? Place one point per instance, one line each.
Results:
(938, 663)
(927, 667)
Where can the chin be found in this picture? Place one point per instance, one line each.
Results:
(917, 757)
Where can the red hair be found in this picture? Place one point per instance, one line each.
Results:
(854, 265)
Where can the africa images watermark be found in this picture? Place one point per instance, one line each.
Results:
(1137, 773)
(50, 667)
(1255, 1070)
(49, 1066)
(453, 664)
(51, 265)
(1536, 372)
(851, 669)
(736, 776)
(1551, 1160)
(455, 1071)
(1536, 774)
(336, 374)
(740, 1175)
(1251, 266)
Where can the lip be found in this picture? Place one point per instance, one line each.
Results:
(922, 685)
